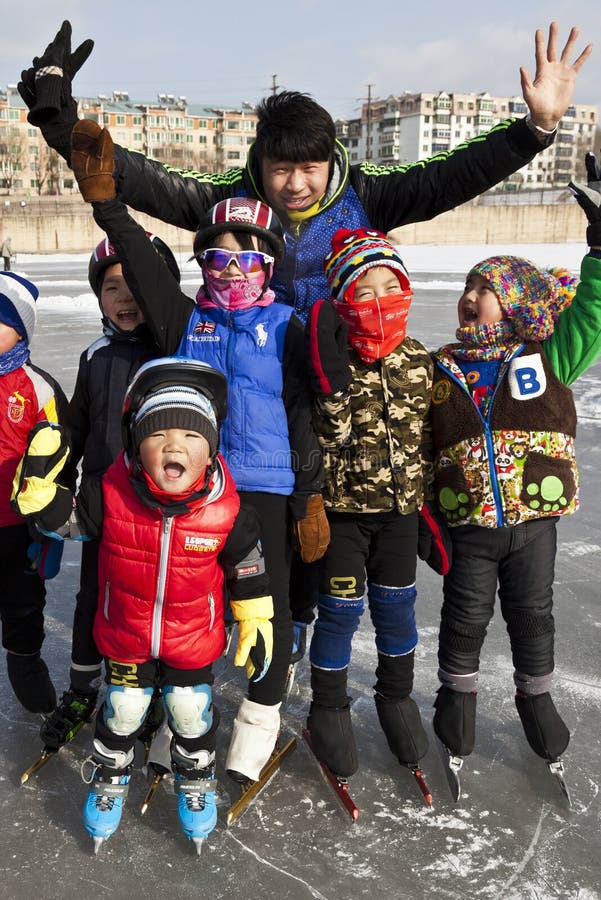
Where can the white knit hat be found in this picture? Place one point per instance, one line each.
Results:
(17, 303)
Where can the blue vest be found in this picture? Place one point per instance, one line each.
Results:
(298, 280)
(248, 347)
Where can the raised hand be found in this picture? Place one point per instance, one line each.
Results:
(588, 197)
(46, 86)
(92, 160)
(551, 92)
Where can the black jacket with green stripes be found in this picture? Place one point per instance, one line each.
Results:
(383, 197)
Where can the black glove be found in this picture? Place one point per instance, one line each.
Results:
(588, 197)
(434, 543)
(329, 365)
(46, 89)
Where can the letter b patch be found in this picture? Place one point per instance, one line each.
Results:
(527, 378)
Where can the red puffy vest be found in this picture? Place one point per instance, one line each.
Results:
(160, 583)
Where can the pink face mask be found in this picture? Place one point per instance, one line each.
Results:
(234, 293)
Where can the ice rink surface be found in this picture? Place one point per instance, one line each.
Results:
(512, 837)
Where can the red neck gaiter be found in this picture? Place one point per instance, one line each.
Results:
(375, 326)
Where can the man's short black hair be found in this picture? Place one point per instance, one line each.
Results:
(292, 126)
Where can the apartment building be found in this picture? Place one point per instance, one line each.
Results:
(392, 131)
(406, 127)
(183, 135)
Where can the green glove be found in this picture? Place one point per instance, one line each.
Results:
(35, 491)
(255, 635)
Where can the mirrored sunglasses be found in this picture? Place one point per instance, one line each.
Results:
(248, 261)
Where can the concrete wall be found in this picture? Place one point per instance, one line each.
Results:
(66, 226)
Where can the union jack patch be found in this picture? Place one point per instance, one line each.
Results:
(205, 327)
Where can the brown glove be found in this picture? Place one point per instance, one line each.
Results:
(93, 160)
(311, 535)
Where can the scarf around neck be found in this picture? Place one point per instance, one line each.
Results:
(14, 358)
(484, 342)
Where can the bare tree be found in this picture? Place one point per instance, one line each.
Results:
(182, 156)
(13, 157)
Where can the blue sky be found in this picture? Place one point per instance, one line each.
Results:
(228, 52)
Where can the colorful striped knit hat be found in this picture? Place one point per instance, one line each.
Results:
(531, 298)
(353, 252)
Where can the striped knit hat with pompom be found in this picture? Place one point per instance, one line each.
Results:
(531, 298)
(353, 252)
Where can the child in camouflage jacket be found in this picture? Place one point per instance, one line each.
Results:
(371, 417)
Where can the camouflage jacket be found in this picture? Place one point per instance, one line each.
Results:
(376, 436)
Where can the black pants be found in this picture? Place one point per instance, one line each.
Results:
(272, 510)
(22, 593)
(381, 546)
(521, 560)
(83, 648)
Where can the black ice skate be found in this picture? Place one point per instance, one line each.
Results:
(329, 736)
(546, 732)
(455, 726)
(402, 725)
(73, 712)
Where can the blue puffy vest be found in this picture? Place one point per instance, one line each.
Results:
(248, 347)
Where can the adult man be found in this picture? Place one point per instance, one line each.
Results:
(300, 169)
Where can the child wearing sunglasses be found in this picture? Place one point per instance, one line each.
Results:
(267, 438)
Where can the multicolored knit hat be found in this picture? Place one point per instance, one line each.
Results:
(531, 298)
(353, 252)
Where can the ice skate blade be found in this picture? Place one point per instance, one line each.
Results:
(159, 774)
(338, 785)
(421, 783)
(290, 678)
(253, 788)
(98, 842)
(557, 770)
(452, 768)
(42, 759)
(198, 842)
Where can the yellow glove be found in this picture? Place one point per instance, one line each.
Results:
(255, 635)
(35, 491)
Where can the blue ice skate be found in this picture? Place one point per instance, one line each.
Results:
(109, 787)
(195, 785)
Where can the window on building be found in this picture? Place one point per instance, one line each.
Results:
(202, 138)
(121, 120)
(202, 123)
(233, 154)
(137, 120)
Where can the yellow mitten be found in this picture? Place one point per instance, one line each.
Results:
(35, 491)
(255, 635)
(93, 161)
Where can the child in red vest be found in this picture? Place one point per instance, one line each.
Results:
(172, 535)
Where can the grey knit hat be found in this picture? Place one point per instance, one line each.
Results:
(176, 407)
(17, 304)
